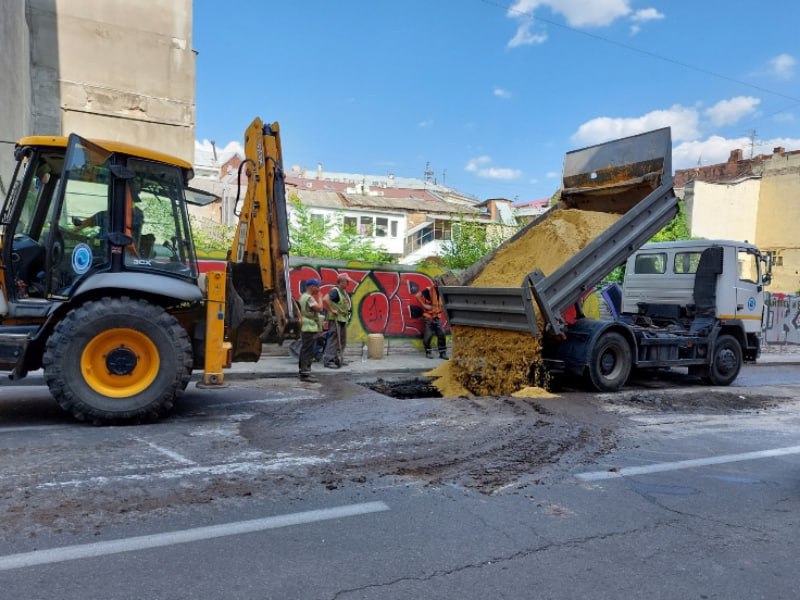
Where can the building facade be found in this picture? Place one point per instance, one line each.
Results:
(106, 69)
(755, 200)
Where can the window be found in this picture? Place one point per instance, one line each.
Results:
(381, 227)
(776, 258)
(366, 228)
(393, 226)
(350, 223)
(650, 264)
(317, 218)
(686, 262)
(442, 230)
(748, 266)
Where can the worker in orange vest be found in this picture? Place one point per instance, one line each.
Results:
(432, 317)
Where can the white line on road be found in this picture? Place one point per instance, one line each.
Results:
(167, 452)
(236, 468)
(32, 428)
(686, 464)
(159, 540)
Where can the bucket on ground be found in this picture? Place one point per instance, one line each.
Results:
(375, 345)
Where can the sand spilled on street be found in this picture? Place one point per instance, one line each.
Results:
(495, 362)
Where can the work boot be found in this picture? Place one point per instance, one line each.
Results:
(307, 377)
(443, 355)
(331, 365)
(428, 353)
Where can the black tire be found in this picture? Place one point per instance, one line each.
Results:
(117, 360)
(610, 363)
(726, 361)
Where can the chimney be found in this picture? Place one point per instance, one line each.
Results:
(778, 150)
(736, 155)
(319, 170)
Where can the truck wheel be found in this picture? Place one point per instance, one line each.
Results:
(726, 361)
(117, 359)
(610, 363)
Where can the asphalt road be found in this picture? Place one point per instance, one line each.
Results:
(331, 491)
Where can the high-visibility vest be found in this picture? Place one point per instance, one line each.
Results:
(310, 322)
(342, 306)
(436, 305)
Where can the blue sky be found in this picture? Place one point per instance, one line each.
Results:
(492, 94)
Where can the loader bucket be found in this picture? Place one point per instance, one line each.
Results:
(617, 175)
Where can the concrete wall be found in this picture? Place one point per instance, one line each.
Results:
(116, 70)
(723, 210)
(15, 90)
(779, 219)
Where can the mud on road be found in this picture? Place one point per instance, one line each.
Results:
(277, 440)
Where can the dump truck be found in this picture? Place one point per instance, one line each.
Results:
(99, 283)
(705, 316)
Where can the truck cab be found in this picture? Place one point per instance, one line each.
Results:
(669, 283)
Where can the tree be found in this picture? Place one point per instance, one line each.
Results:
(316, 236)
(469, 242)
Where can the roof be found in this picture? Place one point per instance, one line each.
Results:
(60, 141)
(416, 203)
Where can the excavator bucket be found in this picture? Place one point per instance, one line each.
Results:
(617, 175)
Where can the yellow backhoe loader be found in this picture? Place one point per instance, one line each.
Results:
(99, 283)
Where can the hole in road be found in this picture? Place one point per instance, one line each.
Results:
(417, 387)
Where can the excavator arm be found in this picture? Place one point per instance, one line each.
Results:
(256, 305)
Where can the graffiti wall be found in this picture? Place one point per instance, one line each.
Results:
(782, 325)
(383, 296)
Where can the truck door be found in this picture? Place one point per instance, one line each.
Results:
(749, 290)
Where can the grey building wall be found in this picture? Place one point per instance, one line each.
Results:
(108, 69)
(15, 113)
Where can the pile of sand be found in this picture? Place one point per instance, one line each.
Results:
(494, 362)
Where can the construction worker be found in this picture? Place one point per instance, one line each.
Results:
(432, 316)
(339, 310)
(311, 326)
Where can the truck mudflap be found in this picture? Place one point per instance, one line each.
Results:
(632, 176)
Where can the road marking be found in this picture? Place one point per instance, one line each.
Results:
(167, 452)
(159, 540)
(32, 428)
(686, 464)
(236, 468)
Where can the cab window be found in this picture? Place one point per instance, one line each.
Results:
(650, 264)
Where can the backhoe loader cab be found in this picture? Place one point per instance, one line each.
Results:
(99, 276)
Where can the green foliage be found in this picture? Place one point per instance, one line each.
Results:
(469, 243)
(675, 230)
(313, 236)
(211, 239)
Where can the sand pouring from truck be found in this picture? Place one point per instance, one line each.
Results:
(696, 304)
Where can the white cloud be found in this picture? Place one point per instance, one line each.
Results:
(729, 112)
(647, 14)
(782, 66)
(425, 123)
(474, 163)
(717, 149)
(524, 36)
(501, 93)
(684, 122)
(553, 174)
(643, 16)
(480, 166)
(578, 13)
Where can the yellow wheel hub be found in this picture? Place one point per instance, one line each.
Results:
(120, 363)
